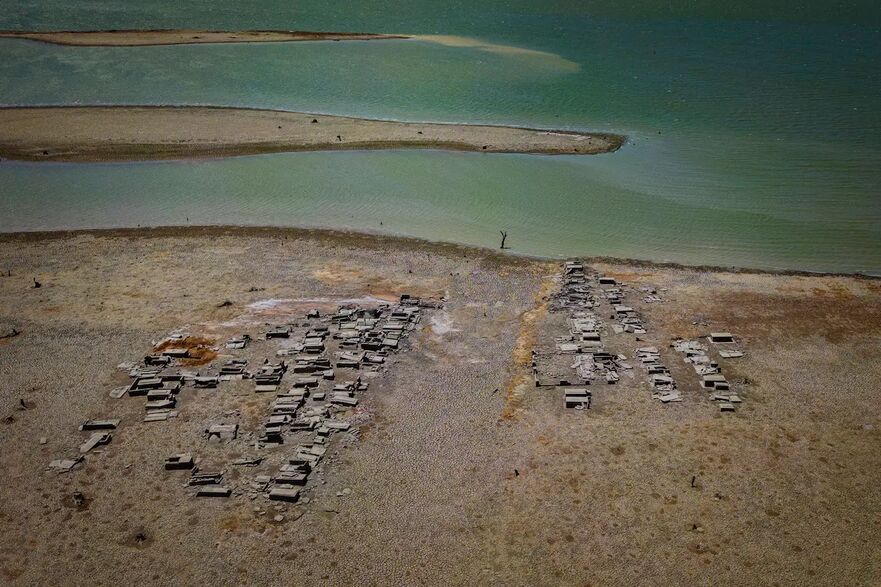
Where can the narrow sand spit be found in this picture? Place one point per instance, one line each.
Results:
(141, 38)
(125, 133)
(155, 37)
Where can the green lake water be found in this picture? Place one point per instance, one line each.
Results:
(755, 132)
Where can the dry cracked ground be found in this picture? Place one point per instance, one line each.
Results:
(464, 473)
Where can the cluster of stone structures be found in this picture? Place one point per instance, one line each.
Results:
(663, 384)
(579, 298)
(316, 368)
(582, 296)
(696, 354)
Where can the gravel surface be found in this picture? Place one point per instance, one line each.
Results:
(447, 482)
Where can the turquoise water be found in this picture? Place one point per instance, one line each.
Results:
(754, 130)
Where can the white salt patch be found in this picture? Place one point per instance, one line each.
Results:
(275, 302)
(442, 323)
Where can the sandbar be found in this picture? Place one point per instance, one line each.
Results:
(143, 38)
(137, 133)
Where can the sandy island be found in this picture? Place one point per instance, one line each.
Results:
(126, 133)
(456, 468)
(141, 38)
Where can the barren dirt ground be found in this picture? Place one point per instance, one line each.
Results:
(464, 473)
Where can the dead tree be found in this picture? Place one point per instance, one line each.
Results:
(504, 234)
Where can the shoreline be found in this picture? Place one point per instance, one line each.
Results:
(144, 133)
(162, 37)
(397, 242)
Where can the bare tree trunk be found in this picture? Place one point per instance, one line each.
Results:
(504, 234)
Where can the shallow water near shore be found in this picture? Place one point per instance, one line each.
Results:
(753, 143)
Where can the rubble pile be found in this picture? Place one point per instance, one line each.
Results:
(696, 354)
(662, 382)
(626, 318)
(591, 361)
(651, 295)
